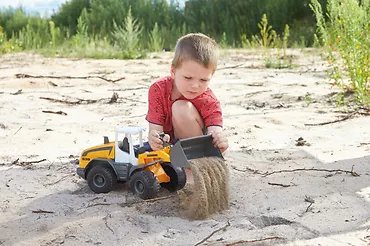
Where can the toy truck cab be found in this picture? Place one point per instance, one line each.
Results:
(126, 151)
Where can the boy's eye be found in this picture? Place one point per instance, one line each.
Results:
(187, 77)
(204, 80)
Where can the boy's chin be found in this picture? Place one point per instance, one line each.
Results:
(189, 97)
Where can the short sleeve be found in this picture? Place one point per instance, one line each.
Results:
(155, 113)
(212, 114)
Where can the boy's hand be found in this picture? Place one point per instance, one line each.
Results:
(220, 140)
(155, 141)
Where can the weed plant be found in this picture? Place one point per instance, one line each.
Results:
(345, 36)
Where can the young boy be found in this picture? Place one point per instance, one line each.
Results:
(182, 105)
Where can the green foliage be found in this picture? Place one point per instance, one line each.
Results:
(223, 41)
(53, 34)
(16, 21)
(130, 28)
(285, 39)
(127, 38)
(345, 37)
(272, 45)
(245, 43)
(33, 36)
(267, 35)
(68, 14)
(156, 40)
(81, 39)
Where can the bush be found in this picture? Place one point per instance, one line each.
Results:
(345, 36)
(127, 38)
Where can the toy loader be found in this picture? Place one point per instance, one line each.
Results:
(105, 165)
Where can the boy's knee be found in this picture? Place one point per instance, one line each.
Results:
(183, 108)
(186, 120)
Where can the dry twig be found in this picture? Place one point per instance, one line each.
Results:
(313, 169)
(127, 204)
(54, 112)
(18, 130)
(100, 204)
(23, 75)
(253, 240)
(40, 211)
(233, 66)
(247, 169)
(349, 115)
(79, 101)
(17, 92)
(26, 163)
(310, 200)
(214, 232)
(282, 185)
(76, 101)
(130, 89)
(255, 84)
(106, 222)
(146, 201)
(55, 182)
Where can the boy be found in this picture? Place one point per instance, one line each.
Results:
(182, 105)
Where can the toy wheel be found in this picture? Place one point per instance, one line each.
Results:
(177, 177)
(101, 179)
(144, 184)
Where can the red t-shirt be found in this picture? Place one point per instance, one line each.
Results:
(160, 105)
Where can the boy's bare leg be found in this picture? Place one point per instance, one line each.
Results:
(186, 122)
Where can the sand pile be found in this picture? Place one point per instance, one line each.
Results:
(210, 192)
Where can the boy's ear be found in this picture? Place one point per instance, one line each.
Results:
(172, 71)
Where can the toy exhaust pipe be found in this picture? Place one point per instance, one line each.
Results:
(193, 148)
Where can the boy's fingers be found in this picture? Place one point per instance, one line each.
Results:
(156, 146)
(156, 141)
(220, 141)
(154, 134)
(214, 137)
(223, 145)
(166, 138)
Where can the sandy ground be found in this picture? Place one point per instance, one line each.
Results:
(280, 193)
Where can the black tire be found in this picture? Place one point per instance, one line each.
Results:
(101, 179)
(177, 177)
(144, 184)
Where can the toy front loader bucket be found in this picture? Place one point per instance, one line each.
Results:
(193, 148)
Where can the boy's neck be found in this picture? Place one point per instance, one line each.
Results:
(175, 94)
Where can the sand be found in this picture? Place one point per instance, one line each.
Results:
(209, 192)
(289, 183)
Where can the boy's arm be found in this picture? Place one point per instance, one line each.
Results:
(219, 137)
(155, 117)
(212, 116)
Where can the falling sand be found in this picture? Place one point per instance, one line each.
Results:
(210, 192)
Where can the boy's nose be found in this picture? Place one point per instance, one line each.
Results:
(194, 85)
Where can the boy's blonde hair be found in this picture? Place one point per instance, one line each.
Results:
(197, 47)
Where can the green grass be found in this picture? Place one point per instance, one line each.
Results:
(129, 40)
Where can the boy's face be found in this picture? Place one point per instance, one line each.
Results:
(191, 78)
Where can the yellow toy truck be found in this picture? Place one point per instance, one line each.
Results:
(103, 166)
